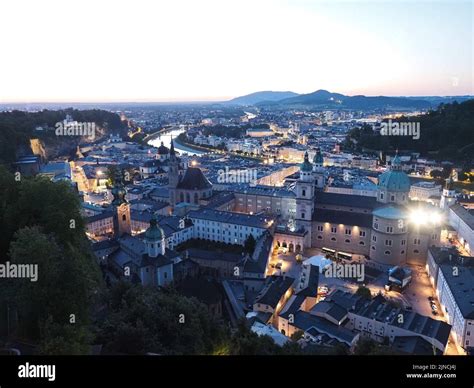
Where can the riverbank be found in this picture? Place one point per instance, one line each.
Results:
(182, 144)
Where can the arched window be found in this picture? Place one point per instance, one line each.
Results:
(195, 197)
(188, 198)
(387, 252)
(181, 196)
(124, 217)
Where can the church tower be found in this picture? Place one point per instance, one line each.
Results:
(173, 175)
(318, 170)
(448, 198)
(122, 221)
(305, 198)
(155, 239)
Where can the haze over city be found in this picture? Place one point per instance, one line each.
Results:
(91, 51)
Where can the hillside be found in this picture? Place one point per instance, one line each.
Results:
(17, 128)
(258, 97)
(322, 99)
(445, 133)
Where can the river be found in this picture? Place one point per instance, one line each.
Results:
(165, 137)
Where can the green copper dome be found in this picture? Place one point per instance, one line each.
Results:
(306, 165)
(318, 157)
(395, 179)
(154, 232)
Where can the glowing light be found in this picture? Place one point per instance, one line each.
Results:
(193, 163)
(423, 217)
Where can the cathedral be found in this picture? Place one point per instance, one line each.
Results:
(382, 229)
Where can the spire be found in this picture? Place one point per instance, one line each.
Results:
(396, 162)
(172, 147)
(118, 191)
(306, 158)
(449, 182)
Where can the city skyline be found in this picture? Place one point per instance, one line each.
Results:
(186, 52)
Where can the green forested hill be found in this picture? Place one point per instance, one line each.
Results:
(17, 127)
(445, 133)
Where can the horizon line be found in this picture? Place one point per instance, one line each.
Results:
(205, 100)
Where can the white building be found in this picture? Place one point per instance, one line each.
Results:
(228, 227)
(423, 191)
(453, 278)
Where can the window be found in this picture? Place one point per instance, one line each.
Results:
(320, 228)
(372, 247)
(302, 215)
(416, 241)
(362, 233)
(348, 232)
(389, 229)
(124, 217)
(392, 198)
(333, 229)
(416, 251)
(403, 242)
(361, 243)
(402, 252)
(387, 252)
(381, 195)
(320, 237)
(388, 243)
(376, 225)
(304, 192)
(374, 238)
(333, 238)
(347, 241)
(165, 275)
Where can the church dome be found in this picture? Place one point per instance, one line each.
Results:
(306, 165)
(395, 179)
(154, 232)
(162, 150)
(318, 157)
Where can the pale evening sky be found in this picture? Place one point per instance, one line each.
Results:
(188, 50)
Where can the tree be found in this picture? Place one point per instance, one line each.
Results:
(364, 292)
(297, 335)
(61, 296)
(249, 244)
(148, 319)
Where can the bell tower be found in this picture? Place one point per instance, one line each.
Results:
(173, 175)
(305, 198)
(122, 221)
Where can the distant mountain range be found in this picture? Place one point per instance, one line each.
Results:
(323, 99)
(258, 97)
